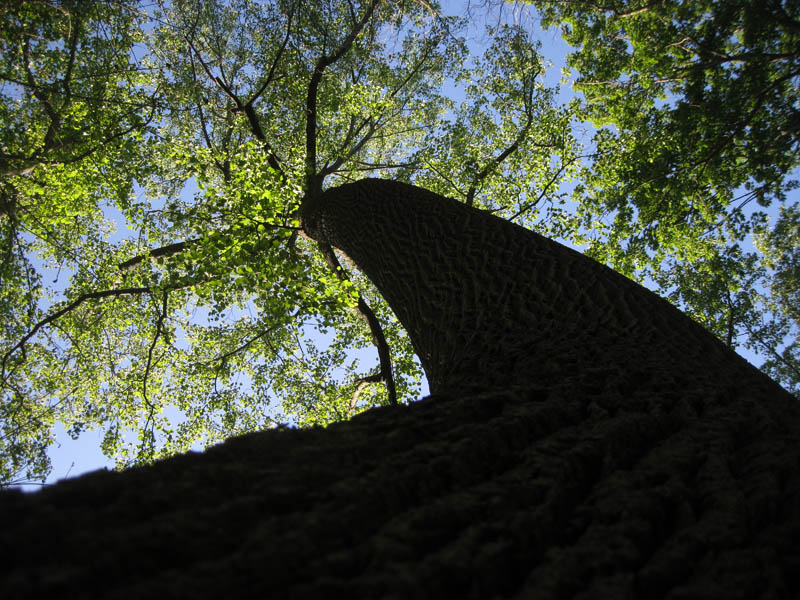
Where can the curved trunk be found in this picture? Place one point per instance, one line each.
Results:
(585, 440)
(488, 304)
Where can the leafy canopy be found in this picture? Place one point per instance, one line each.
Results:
(700, 100)
(156, 286)
(697, 108)
(199, 127)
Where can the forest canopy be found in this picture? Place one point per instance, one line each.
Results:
(156, 285)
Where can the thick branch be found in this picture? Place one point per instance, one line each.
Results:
(313, 185)
(363, 309)
(167, 250)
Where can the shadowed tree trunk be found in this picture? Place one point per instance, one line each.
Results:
(584, 439)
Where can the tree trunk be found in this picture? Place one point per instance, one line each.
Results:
(488, 304)
(584, 439)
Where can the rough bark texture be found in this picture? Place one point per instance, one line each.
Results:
(585, 440)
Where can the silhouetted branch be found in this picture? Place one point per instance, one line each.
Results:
(793, 367)
(529, 205)
(163, 251)
(247, 109)
(495, 162)
(278, 54)
(159, 326)
(366, 312)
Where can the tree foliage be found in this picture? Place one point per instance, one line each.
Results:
(211, 315)
(703, 100)
(697, 109)
(74, 110)
(198, 129)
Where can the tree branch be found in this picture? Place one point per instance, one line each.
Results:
(313, 183)
(73, 48)
(495, 162)
(55, 118)
(275, 61)
(529, 205)
(203, 126)
(34, 160)
(491, 166)
(619, 14)
(354, 149)
(363, 309)
(67, 309)
(177, 247)
(246, 109)
(221, 358)
(159, 326)
(731, 321)
(167, 250)
(794, 368)
(360, 385)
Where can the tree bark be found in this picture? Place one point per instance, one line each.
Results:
(584, 440)
(488, 304)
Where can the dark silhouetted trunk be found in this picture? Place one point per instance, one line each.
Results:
(584, 439)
